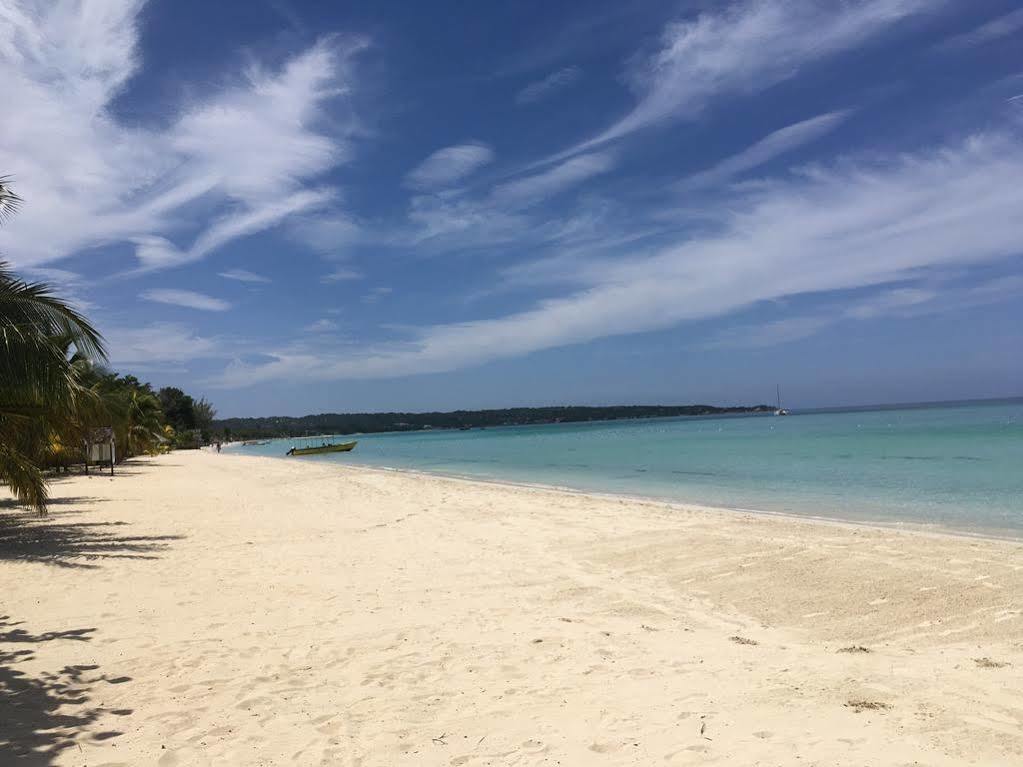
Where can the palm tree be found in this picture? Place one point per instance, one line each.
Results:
(39, 382)
(144, 422)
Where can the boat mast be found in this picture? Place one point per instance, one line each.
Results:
(778, 391)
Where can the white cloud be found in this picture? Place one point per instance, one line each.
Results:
(769, 333)
(777, 143)
(889, 302)
(535, 188)
(329, 233)
(159, 253)
(187, 298)
(248, 151)
(897, 302)
(549, 85)
(258, 138)
(159, 343)
(321, 326)
(376, 294)
(854, 224)
(448, 166)
(1002, 26)
(243, 275)
(741, 49)
(469, 222)
(341, 274)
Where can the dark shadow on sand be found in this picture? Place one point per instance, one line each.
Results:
(40, 716)
(61, 539)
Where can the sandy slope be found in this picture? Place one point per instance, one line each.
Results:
(205, 609)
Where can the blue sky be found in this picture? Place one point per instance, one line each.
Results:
(296, 207)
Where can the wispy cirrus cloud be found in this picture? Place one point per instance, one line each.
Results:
(243, 275)
(321, 326)
(376, 294)
(502, 214)
(773, 145)
(996, 28)
(341, 274)
(862, 222)
(740, 49)
(156, 253)
(549, 85)
(448, 166)
(248, 152)
(766, 334)
(885, 304)
(160, 344)
(533, 189)
(186, 298)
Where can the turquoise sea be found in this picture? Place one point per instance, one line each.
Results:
(956, 466)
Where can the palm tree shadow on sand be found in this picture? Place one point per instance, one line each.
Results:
(63, 539)
(44, 713)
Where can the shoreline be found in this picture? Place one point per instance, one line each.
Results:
(934, 528)
(213, 609)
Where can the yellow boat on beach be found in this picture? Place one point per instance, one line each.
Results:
(342, 447)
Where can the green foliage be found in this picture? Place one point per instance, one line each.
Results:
(366, 423)
(191, 419)
(9, 201)
(178, 408)
(54, 390)
(40, 391)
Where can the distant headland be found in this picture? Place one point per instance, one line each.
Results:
(350, 423)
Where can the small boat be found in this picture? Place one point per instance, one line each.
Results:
(780, 410)
(342, 447)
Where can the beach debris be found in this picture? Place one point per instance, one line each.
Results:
(648, 628)
(537, 641)
(439, 740)
(854, 649)
(743, 640)
(862, 704)
(988, 663)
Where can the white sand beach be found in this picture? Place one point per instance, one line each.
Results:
(202, 609)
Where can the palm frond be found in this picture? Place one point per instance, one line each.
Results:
(9, 201)
(23, 476)
(30, 309)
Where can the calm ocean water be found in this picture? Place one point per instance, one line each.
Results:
(957, 466)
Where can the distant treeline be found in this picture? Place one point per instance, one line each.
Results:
(349, 423)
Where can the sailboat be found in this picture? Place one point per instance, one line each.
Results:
(780, 410)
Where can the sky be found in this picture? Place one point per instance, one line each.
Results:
(299, 206)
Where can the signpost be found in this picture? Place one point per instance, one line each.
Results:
(100, 447)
